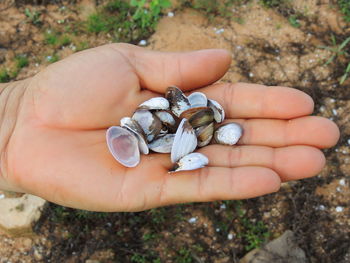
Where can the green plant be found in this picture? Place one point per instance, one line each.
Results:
(344, 6)
(138, 258)
(254, 234)
(339, 50)
(4, 76)
(294, 21)
(51, 37)
(33, 16)
(184, 255)
(21, 61)
(148, 12)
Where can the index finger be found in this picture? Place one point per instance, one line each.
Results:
(243, 100)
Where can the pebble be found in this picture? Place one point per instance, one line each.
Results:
(349, 141)
(171, 14)
(217, 230)
(143, 43)
(251, 74)
(342, 181)
(334, 111)
(321, 208)
(2, 196)
(192, 220)
(220, 31)
(223, 206)
(339, 209)
(230, 236)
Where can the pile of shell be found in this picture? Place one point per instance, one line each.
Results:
(175, 124)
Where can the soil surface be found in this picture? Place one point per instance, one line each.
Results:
(267, 49)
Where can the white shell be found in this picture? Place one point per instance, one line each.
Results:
(198, 99)
(135, 128)
(150, 124)
(157, 103)
(123, 145)
(191, 161)
(219, 113)
(185, 141)
(163, 144)
(228, 134)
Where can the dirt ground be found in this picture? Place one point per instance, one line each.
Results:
(267, 49)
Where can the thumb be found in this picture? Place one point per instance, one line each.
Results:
(188, 70)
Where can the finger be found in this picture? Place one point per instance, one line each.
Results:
(218, 183)
(243, 100)
(188, 70)
(290, 163)
(314, 131)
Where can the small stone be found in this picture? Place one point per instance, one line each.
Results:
(334, 111)
(222, 206)
(192, 220)
(342, 182)
(143, 42)
(220, 31)
(251, 74)
(339, 209)
(321, 207)
(230, 236)
(171, 14)
(2, 196)
(282, 249)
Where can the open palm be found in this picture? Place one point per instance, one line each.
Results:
(58, 149)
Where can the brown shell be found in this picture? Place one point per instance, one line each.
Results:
(198, 117)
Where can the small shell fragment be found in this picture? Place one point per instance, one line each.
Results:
(150, 124)
(185, 141)
(191, 161)
(219, 113)
(123, 145)
(157, 103)
(198, 99)
(228, 134)
(135, 128)
(162, 144)
(177, 99)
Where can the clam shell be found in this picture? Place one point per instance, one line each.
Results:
(205, 134)
(185, 141)
(123, 145)
(198, 99)
(198, 116)
(167, 119)
(191, 161)
(150, 124)
(162, 144)
(157, 103)
(135, 128)
(177, 99)
(228, 134)
(219, 113)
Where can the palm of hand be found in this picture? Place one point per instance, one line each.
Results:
(58, 149)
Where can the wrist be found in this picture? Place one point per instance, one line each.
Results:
(11, 95)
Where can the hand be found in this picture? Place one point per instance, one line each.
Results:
(58, 149)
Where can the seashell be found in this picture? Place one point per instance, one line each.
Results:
(185, 141)
(191, 161)
(123, 145)
(219, 113)
(157, 103)
(167, 119)
(228, 134)
(150, 124)
(198, 116)
(198, 99)
(162, 144)
(205, 134)
(135, 128)
(177, 99)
